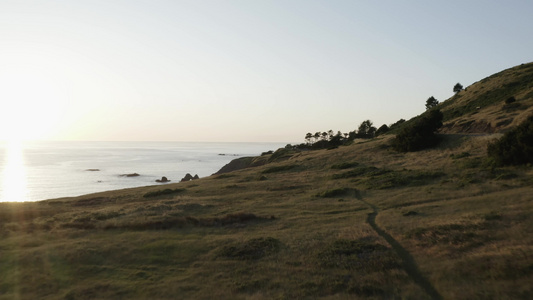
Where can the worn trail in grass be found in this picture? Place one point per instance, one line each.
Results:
(408, 262)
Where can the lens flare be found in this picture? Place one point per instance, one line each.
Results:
(14, 174)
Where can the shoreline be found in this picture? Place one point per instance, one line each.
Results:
(79, 168)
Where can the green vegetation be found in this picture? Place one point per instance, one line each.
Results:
(457, 87)
(420, 134)
(330, 140)
(431, 102)
(510, 100)
(515, 147)
(382, 130)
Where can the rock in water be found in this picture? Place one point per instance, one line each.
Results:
(187, 177)
(163, 179)
(130, 175)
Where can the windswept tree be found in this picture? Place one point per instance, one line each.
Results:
(366, 130)
(336, 140)
(431, 102)
(317, 136)
(309, 138)
(324, 136)
(457, 88)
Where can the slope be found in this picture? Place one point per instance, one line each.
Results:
(482, 107)
(356, 222)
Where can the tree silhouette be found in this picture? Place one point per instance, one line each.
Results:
(420, 134)
(366, 130)
(431, 102)
(309, 137)
(324, 136)
(317, 136)
(457, 88)
(330, 134)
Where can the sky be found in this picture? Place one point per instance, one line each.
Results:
(241, 71)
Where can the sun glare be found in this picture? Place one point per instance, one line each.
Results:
(31, 105)
(14, 187)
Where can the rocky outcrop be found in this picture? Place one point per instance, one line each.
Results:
(189, 177)
(162, 180)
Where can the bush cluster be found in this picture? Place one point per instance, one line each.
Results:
(420, 134)
(515, 147)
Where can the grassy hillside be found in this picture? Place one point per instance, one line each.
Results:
(357, 222)
(482, 108)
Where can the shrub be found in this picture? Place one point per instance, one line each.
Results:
(510, 100)
(420, 134)
(515, 147)
(397, 124)
(382, 130)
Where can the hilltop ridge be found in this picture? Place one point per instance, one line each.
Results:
(482, 108)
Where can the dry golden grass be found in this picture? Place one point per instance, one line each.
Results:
(356, 222)
(465, 237)
(483, 102)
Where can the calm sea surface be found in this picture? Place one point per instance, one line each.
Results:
(32, 171)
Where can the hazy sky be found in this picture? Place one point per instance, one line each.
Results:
(245, 70)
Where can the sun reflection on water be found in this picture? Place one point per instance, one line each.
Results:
(14, 174)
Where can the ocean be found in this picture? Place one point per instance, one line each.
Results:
(33, 171)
